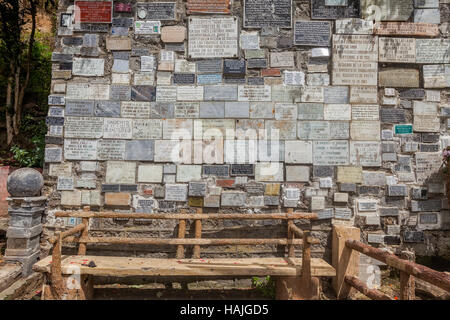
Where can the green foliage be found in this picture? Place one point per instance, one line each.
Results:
(33, 156)
(265, 285)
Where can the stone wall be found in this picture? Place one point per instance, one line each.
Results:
(254, 106)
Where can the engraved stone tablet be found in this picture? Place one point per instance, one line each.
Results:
(117, 128)
(406, 29)
(365, 154)
(273, 13)
(88, 67)
(80, 149)
(156, 10)
(107, 108)
(432, 51)
(312, 33)
(111, 149)
(330, 153)
(83, 127)
(321, 10)
(402, 50)
(147, 129)
(176, 192)
(213, 37)
(399, 78)
(93, 11)
(386, 10)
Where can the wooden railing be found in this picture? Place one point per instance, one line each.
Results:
(346, 270)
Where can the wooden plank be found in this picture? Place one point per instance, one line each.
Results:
(175, 216)
(187, 241)
(181, 235)
(344, 260)
(126, 266)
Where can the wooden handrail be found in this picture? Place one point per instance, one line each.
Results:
(362, 287)
(176, 216)
(185, 241)
(79, 228)
(439, 279)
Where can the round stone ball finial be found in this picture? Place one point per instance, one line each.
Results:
(25, 182)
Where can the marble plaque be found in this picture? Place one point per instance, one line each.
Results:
(337, 112)
(187, 110)
(189, 93)
(401, 50)
(53, 155)
(282, 59)
(166, 93)
(272, 13)
(211, 78)
(107, 108)
(436, 76)
(364, 94)
(115, 128)
(330, 153)
(310, 111)
(147, 129)
(88, 91)
(365, 130)
(204, 34)
(147, 27)
(365, 153)
(88, 67)
(432, 51)
(365, 112)
(121, 172)
(210, 6)
(312, 94)
(80, 149)
(134, 109)
(254, 93)
(111, 150)
(176, 192)
(399, 78)
(83, 127)
(426, 123)
(427, 165)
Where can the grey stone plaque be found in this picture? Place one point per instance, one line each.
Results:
(220, 93)
(242, 170)
(183, 78)
(72, 41)
(140, 150)
(426, 205)
(336, 94)
(122, 22)
(120, 92)
(216, 170)
(209, 66)
(54, 121)
(273, 13)
(197, 189)
(392, 115)
(257, 64)
(107, 108)
(312, 33)
(255, 81)
(79, 108)
(233, 67)
(143, 93)
(53, 154)
(412, 94)
(413, 236)
(162, 110)
(111, 149)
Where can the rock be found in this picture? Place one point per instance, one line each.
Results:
(25, 182)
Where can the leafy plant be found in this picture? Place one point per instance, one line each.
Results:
(264, 285)
(33, 157)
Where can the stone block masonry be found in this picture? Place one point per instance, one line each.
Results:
(252, 106)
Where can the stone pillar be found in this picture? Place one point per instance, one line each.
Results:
(25, 208)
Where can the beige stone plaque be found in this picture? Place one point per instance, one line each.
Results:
(401, 50)
(399, 78)
(349, 174)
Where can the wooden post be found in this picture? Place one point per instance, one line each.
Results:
(290, 235)
(84, 233)
(181, 235)
(198, 235)
(57, 283)
(362, 287)
(407, 282)
(344, 260)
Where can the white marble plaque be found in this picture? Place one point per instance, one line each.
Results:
(213, 37)
(366, 154)
(88, 91)
(364, 94)
(312, 94)
(427, 165)
(331, 153)
(365, 130)
(83, 127)
(147, 27)
(111, 150)
(337, 112)
(249, 40)
(294, 78)
(147, 129)
(401, 50)
(80, 149)
(144, 78)
(148, 63)
(176, 192)
(254, 93)
(135, 109)
(432, 51)
(189, 93)
(166, 93)
(116, 128)
(365, 112)
(88, 67)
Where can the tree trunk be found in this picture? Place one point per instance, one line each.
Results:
(16, 101)
(9, 116)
